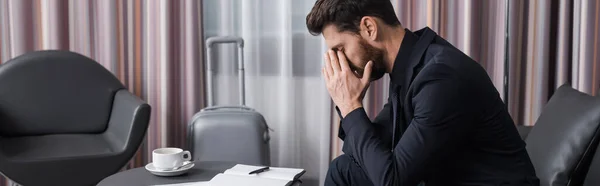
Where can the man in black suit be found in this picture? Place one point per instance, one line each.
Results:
(444, 123)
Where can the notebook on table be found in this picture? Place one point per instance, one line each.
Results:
(274, 176)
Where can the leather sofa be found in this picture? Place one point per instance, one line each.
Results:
(562, 144)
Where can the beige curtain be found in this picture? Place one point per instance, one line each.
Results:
(540, 44)
(154, 47)
(551, 43)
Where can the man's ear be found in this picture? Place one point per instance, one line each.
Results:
(368, 28)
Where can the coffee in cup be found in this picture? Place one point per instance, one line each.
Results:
(170, 158)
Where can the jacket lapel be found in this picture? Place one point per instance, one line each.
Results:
(426, 37)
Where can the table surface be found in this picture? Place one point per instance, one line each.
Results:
(202, 171)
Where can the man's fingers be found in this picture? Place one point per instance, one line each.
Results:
(328, 68)
(335, 65)
(325, 75)
(366, 78)
(343, 61)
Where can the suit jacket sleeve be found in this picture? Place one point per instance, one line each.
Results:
(382, 119)
(440, 120)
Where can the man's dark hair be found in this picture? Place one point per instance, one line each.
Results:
(346, 14)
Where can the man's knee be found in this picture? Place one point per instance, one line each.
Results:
(338, 171)
(344, 171)
(340, 164)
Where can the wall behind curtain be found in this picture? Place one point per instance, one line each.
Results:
(154, 47)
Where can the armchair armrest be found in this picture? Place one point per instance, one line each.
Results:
(523, 131)
(128, 122)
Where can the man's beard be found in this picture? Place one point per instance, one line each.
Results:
(376, 56)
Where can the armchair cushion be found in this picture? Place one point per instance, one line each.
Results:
(27, 157)
(565, 137)
(47, 147)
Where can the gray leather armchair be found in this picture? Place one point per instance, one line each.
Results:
(65, 120)
(563, 142)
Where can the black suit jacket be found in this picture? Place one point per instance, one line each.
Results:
(451, 126)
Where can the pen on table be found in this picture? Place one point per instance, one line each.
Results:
(259, 170)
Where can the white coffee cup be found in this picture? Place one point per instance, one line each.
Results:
(169, 158)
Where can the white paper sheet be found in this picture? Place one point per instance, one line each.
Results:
(288, 174)
(233, 180)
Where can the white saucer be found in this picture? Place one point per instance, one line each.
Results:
(150, 167)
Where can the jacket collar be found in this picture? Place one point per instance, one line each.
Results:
(411, 51)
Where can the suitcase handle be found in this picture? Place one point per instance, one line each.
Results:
(210, 42)
(226, 107)
(224, 39)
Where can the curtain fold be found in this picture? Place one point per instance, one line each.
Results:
(517, 53)
(154, 47)
(586, 47)
(551, 43)
(537, 60)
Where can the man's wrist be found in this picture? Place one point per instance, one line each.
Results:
(351, 107)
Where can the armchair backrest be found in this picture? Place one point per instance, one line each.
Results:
(55, 92)
(564, 138)
(592, 178)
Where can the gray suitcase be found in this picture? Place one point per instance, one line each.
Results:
(228, 133)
